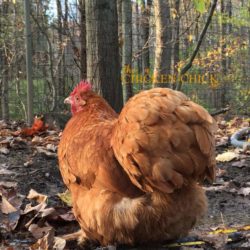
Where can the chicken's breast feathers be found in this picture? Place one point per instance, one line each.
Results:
(163, 140)
(86, 158)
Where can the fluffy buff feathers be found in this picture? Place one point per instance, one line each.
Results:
(134, 178)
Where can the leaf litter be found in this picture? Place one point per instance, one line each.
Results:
(35, 207)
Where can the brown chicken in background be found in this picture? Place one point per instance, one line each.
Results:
(135, 177)
(37, 127)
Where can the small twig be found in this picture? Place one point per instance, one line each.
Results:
(221, 111)
(72, 236)
(222, 219)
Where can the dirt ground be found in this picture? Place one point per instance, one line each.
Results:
(29, 163)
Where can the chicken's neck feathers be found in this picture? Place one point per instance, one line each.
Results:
(96, 110)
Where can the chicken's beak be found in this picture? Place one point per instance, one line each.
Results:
(68, 100)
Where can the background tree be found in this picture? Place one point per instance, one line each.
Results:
(59, 51)
(127, 49)
(224, 26)
(176, 37)
(136, 41)
(59, 85)
(83, 61)
(163, 33)
(4, 56)
(103, 68)
(145, 38)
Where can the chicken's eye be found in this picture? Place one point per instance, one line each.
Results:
(77, 98)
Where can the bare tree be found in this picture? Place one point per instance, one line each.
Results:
(120, 36)
(127, 48)
(4, 71)
(163, 41)
(103, 68)
(223, 36)
(5, 95)
(60, 84)
(145, 25)
(224, 61)
(176, 36)
(83, 63)
(136, 41)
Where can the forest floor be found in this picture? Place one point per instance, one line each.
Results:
(33, 216)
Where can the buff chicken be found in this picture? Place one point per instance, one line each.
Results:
(135, 177)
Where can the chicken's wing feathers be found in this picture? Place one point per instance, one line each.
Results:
(162, 140)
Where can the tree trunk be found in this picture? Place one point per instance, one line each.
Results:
(188, 33)
(127, 49)
(145, 23)
(223, 53)
(4, 73)
(103, 68)
(243, 33)
(136, 38)
(5, 95)
(230, 27)
(176, 34)
(223, 36)
(62, 89)
(59, 86)
(120, 35)
(162, 66)
(83, 63)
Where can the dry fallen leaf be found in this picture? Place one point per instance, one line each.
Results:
(34, 195)
(215, 188)
(49, 241)
(5, 132)
(240, 164)
(47, 211)
(29, 208)
(7, 140)
(246, 146)
(38, 209)
(51, 147)
(6, 207)
(28, 163)
(3, 124)
(220, 172)
(45, 243)
(227, 156)
(66, 197)
(59, 243)
(244, 191)
(6, 172)
(4, 151)
(45, 152)
(39, 232)
(12, 215)
(8, 184)
(222, 142)
(68, 216)
(37, 140)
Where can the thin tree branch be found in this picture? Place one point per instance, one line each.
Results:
(221, 111)
(196, 50)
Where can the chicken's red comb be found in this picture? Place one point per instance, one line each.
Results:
(82, 86)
